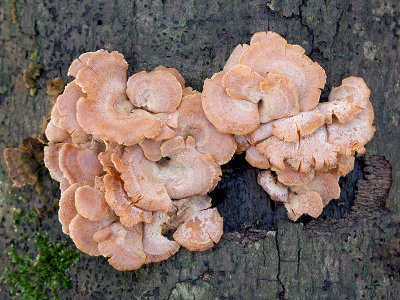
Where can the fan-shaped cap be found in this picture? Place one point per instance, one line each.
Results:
(256, 159)
(79, 164)
(289, 176)
(66, 104)
(156, 246)
(105, 156)
(56, 134)
(306, 202)
(107, 112)
(193, 122)
(344, 165)
(226, 114)
(78, 63)
(51, 160)
(91, 203)
(157, 91)
(311, 152)
(121, 204)
(123, 245)
(173, 72)
(261, 133)
(82, 230)
(292, 128)
(276, 190)
(200, 232)
(67, 210)
(188, 172)
(234, 58)
(261, 36)
(274, 54)
(142, 180)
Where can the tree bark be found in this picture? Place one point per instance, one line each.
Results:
(351, 252)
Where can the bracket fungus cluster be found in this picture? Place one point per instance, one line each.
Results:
(267, 96)
(136, 157)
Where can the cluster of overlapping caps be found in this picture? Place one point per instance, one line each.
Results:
(136, 157)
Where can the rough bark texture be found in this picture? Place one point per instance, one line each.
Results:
(349, 253)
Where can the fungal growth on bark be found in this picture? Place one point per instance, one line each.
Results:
(136, 156)
(268, 96)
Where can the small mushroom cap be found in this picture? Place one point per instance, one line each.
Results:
(261, 36)
(169, 122)
(51, 160)
(280, 98)
(352, 136)
(256, 159)
(173, 72)
(151, 149)
(275, 54)
(105, 156)
(79, 164)
(142, 180)
(123, 245)
(188, 172)
(228, 115)
(82, 230)
(344, 165)
(292, 128)
(193, 122)
(107, 112)
(289, 176)
(78, 63)
(67, 210)
(91, 203)
(242, 83)
(242, 143)
(157, 91)
(56, 134)
(234, 58)
(325, 184)
(312, 152)
(200, 232)
(306, 202)
(156, 246)
(261, 133)
(66, 104)
(276, 190)
(121, 204)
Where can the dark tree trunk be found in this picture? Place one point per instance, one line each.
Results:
(351, 252)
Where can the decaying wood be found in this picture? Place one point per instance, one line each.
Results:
(350, 252)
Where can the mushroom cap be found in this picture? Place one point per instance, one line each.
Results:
(242, 143)
(78, 63)
(228, 115)
(289, 176)
(344, 165)
(276, 190)
(91, 203)
(79, 164)
(56, 134)
(107, 112)
(261, 133)
(280, 97)
(325, 184)
(51, 160)
(261, 36)
(200, 232)
(352, 136)
(82, 230)
(105, 156)
(173, 72)
(193, 122)
(157, 91)
(234, 58)
(306, 202)
(156, 246)
(169, 122)
(188, 172)
(151, 149)
(123, 245)
(312, 152)
(66, 104)
(242, 83)
(256, 159)
(142, 180)
(292, 128)
(275, 54)
(116, 197)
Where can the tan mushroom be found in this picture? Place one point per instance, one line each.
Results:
(91, 203)
(78, 63)
(79, 164)
(51, 161)
(107, 112)
(261, 36)
(289, 176)
(173, 72)
(242, 143)
(105, 156)
(275, 54)
(157, 91)
(256, 159)
(192, 122)
(56, 134)
(306, 202)
(121, 204)
(156, 246)
(234, 58)
(123, 245)
(187, 172)
(276, 190)
(261, 133)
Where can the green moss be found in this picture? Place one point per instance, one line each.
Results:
(41, 273)
(19, 216)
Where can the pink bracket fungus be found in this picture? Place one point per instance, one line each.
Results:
(136, 156)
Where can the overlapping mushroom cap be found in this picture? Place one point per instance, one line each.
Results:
(130, 155)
